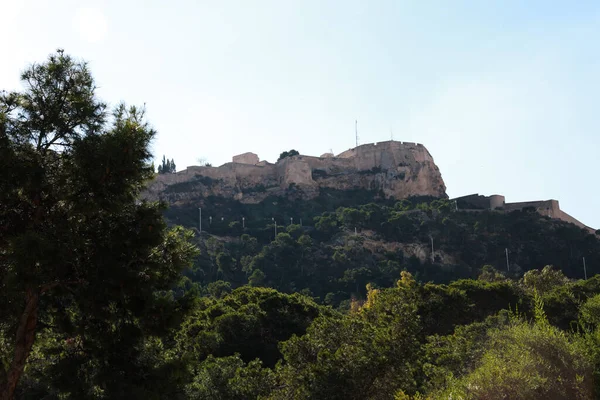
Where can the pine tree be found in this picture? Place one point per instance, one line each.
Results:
(165, 165)
(173, 170)
(79, 255)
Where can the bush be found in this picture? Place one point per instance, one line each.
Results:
(528, 361)
(287, 154)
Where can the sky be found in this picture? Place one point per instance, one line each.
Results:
(503, 93)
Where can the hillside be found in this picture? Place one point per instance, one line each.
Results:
(335, 255)
(350, 283)
(307, 224)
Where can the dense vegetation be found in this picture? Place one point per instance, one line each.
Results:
(100, 299)
(334, 255)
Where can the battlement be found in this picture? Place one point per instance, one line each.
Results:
(246, 158)
(393, 146)
(392, 168)
(549, 208)
(250, 158)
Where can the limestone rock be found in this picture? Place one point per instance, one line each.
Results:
(396, 169)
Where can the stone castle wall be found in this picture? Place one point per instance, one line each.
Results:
(398, 169)
(548, 208)
(246, 158)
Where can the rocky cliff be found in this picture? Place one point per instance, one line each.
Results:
(392, 168)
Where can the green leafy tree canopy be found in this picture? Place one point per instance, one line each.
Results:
(80, 256)
(287, 154)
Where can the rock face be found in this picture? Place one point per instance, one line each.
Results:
(392, 168)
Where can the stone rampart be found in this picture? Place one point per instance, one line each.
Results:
(548, 208)
(397, 169)
(246, 158)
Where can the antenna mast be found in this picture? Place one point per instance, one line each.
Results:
(356, 131)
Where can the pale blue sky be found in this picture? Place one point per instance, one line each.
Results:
(504, 94)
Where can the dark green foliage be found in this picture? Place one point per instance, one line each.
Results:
(227, 378)
(167, 167)
(287, 154)
(258, 216)
(473, 239)
(348, 358)
(562, 302)
(455, 355)
(249, 322)
(81, 260)
(97, 278)
(332, 259)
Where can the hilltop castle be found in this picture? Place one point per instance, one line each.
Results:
(393, 168)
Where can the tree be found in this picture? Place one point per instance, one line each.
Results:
(490, 274)
(528, 361)
(589, 313)
(249, 322)
(257, 278)
(80, 257)
(544, 280)
(167, 167)
(286, 154)
(229, 378)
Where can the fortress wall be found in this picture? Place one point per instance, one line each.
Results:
(246, 158)
(246, 172)
(421, 154)
(411, 160)
(548, 208)
(169, 179)
(497, 201)
(367, 149)
(295, 170)
(387, 155)
(474, 200)
(330, 164)
(228, 172)
(567, 218)
(544, 207)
